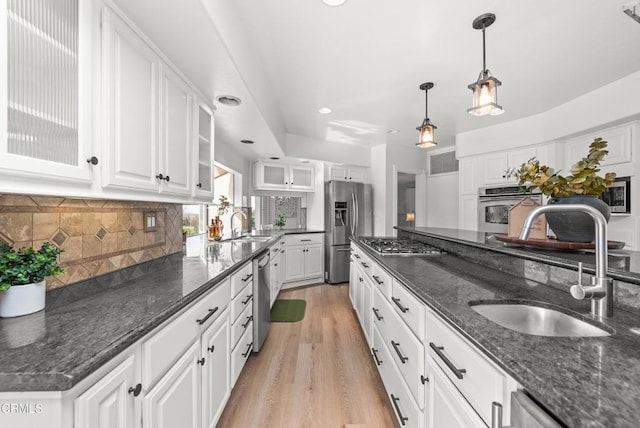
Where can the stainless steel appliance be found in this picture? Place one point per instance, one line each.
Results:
(261, 300)
(400, 247)
(348, 212)
(618, 196)
(494, 204)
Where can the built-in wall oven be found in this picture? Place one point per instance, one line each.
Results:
(494, 204)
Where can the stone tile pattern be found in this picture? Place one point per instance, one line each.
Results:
(97, 235)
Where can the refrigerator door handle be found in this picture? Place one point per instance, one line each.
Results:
(353, 213)
(355, 223)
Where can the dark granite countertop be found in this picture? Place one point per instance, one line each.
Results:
(585, 382)
(624, 265)
(269, 232)
(87, 324)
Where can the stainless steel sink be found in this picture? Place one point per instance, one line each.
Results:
(532, 318)
(253, 238)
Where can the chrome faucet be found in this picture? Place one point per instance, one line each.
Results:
(601, 290)
(233, 230)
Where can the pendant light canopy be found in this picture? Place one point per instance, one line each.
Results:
(485, 89)
(426, 131)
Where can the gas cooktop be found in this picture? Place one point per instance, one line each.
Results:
(400, 247)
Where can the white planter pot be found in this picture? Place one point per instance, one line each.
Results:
(22, 299)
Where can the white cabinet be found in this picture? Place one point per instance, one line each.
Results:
(467, 176)
(620, 139)
(275, 274)
(216, 386)
(110, 402)
(203, 179)
(147, 116)
(495, 167)
(280, 176)
(303, 259)
(344, 173)
(175, 400)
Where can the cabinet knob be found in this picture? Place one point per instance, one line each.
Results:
(199, 185)
(211, 348)
(200, 361)
(166, 178)
(424, 379)
(160, 177)
(135, 390)
(92, 160)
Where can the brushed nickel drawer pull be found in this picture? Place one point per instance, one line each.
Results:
(356, 256)
(395, 404)
(246, 354)
(397, 302)
(375, 356)
(396, 346)
(249, 319)
(438, 350)
(376, 278)
(247, 278)
(209, 315)
(364, 265)
(248, 299)
(376, 312)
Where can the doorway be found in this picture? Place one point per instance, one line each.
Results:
(406, 200)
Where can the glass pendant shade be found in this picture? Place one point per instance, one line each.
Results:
(485, 96)
(426, 135)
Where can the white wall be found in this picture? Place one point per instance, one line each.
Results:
(442, 200)
(379, 188)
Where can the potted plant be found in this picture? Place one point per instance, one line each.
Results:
(582, 186)
(22, 274)
(280, 222)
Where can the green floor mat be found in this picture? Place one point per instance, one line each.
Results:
(288, 310)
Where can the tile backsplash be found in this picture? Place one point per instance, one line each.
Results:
(97, 235)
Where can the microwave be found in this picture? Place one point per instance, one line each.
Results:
(618, 196)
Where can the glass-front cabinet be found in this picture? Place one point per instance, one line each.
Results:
(283, 176)
(203, 188)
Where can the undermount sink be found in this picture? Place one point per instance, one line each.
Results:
(531, 318)
(254, 238)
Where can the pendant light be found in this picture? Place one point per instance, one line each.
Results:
(485, 89)
(426, 135)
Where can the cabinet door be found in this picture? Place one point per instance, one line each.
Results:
(367, 320)
(339, 173)
(446, 406)
(515, 158)
(271, 176)
(175, 139)
(108, 403)
(468, 213)
(295, 263)
(302, 178)
(215, 372)
(175, 400)
(467, 177)
(357, 174)
(353, 279)
(203, 187)
(130, 107)
(313, 266)
(493, 168)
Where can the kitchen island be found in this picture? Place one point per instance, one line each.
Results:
(582, 381)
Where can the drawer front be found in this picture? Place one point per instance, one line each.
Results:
(404, 407)
(366, 265)
(241, 325)
(243, 300)
(241, 278)
(479, 381)
(241, 353)
(410, 309)
(406, 351)
(161, 350)
(381, 280)
(305, 239)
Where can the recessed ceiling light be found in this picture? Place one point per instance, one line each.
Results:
(246, 141)
(324, 110)
(229, 100)
(274, 158)
(334, 2)
(393, 131)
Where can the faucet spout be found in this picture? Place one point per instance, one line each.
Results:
(601, 290)
(234, 234)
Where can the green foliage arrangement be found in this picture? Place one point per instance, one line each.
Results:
(584, 178)
(280, 222)
(26, 266)
(223, 205)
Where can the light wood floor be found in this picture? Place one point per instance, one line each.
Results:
(313, 373)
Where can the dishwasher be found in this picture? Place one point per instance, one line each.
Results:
(525, 413)
(261, 300)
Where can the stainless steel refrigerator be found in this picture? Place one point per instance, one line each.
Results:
(348, 212)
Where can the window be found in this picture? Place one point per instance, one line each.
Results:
(223, 186)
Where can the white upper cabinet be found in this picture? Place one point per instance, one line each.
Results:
(344, 173)
(620, 142)
(282, 176)
(130, 106)
(203, 187)
(46, 92)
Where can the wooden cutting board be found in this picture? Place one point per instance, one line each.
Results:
(554, 244)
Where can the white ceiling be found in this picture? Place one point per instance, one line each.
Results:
(366, 59)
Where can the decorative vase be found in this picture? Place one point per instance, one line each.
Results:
(575, 226)
(218, 234)
(22, 299)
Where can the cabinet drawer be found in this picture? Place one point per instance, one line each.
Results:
(410, 309)
(241, 352)
(240, 279)
(242, 323)
(305, 239)
(479, 381)
(406, 351)
(381, 280)
(402, 402)
(365, 263)
(161, 350)
(243, 300)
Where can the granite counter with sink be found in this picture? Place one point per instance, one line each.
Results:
(583, 381)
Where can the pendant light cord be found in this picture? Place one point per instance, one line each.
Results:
(484, 52)
(426, 103)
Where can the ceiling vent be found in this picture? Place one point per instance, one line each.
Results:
(229, 100)
(632, 10)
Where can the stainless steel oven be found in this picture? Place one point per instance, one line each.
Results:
(494, 204)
